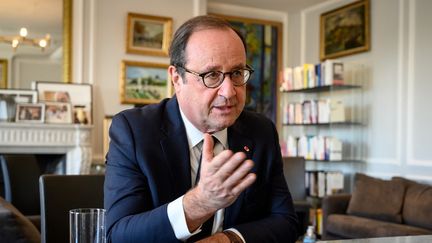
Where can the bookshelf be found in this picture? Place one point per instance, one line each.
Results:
(323, 121)
(329, 132)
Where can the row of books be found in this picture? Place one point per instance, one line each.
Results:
(323, 183)
(313, 148)
(329, 72)
(314, 112)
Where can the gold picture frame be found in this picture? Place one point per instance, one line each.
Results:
(148, 34)
(144, 82)
(3, 73)
(345, 30)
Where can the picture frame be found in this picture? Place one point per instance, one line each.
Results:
(148, 34)
(32, 113)
(106, 139)
(79, 95)
(345, 30)
(3, 73)
(10, 97)
(264, 42)
(144, 82)
(58, 112)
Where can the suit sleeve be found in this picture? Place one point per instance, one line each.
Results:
(131, 214)
(278, 222)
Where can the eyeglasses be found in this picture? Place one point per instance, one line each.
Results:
(214, 79)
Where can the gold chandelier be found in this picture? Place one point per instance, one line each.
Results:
(22, 39)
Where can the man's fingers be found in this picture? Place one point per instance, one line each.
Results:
(236, 175)
(207, 150)
(244, 183)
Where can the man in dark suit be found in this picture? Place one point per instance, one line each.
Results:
(167, 180)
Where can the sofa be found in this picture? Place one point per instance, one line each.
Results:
(378, 208)
(15, 227)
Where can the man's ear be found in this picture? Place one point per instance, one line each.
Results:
(175, 77)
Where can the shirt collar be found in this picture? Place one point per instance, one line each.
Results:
(194, 136)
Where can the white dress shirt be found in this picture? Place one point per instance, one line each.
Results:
(175, 210)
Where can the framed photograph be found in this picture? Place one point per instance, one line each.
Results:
(78, 95)
(58, 112)
(345, 30)
(264, 43)
(106, 140)
(10, 97)
(3, 73)
(30, 112)
(147, 34)
(144, 82)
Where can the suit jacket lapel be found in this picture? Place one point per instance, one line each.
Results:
(175, 148)
(238, 141)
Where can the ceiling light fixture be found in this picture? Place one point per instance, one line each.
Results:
(22, 39)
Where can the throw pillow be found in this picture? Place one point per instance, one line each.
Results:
(15, 227)
(417, 206)
(377, 199)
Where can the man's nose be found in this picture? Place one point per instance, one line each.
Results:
(227, 88)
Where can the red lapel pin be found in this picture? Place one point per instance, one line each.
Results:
(246, 148)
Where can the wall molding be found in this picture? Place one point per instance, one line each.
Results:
(387, 161)
(411, 86)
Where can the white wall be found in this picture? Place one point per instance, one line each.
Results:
(397, 95)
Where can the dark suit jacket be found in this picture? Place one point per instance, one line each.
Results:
(148, 167)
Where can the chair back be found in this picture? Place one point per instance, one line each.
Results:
(294, 172)
(20, 178)
(61, 193)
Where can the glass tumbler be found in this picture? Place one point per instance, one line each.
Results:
(87, 225)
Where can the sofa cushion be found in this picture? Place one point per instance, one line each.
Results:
(377, 199)
(348, 226)
(15, 227)
(417, 206)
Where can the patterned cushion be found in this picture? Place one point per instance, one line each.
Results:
(377, 199)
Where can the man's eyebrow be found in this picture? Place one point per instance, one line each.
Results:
(219, 68)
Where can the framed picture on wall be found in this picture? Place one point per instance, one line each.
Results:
(144, 82)
(147, 34)
(3, 73)
(30, 112)
(264, 43)
(345, 30)
(79, 95)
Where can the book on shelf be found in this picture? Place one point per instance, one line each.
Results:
(327, 73)
(298, 77)
(333, 149)
(337, 111)
(314, 112)
(332, 72)
(321, 183)
(287, 79)
(309, 75)
(313, 148)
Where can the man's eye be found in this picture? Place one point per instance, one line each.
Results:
(237, 73)
(212, 75)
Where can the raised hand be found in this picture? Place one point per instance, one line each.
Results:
(223, 177)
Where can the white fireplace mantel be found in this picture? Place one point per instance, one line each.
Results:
(74, 140)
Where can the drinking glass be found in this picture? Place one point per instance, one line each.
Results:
(87, 225)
